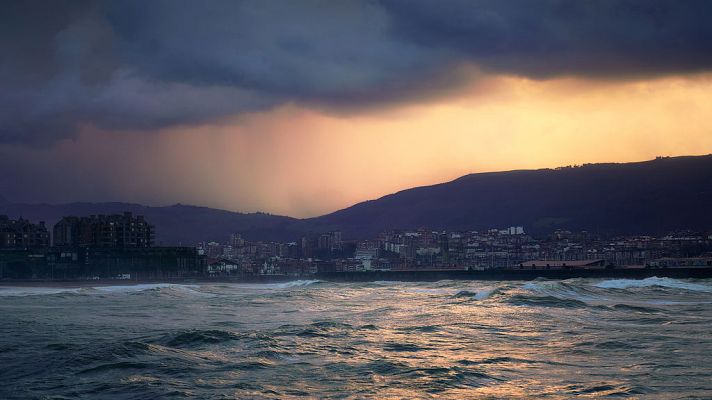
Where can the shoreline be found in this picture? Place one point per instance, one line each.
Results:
(388, 275)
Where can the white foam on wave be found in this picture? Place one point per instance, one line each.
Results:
(431, 291)
(88, 290)
(654, 281)
(272, 286)
(568, 289)
(483, 294)
(388, 283)
(298, 283)
(144, 287)
(542, 285)
(11, 291)
(134, 288)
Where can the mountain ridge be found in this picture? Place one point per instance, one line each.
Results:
(610, 198)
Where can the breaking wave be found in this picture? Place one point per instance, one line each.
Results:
(35, 291)
(298, 283)
(478, 294)
(574, 289)
(483, 294)
(653, 282)
(88, 290)
(142, 287)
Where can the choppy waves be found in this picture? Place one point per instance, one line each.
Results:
(554, 293)
(454, 339)
(575, 289)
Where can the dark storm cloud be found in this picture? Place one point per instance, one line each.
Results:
(552, 37)
(144, 65)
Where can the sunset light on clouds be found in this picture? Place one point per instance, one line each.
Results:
(304, 108)
(302, 161)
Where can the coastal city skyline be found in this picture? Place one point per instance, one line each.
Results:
(122, 246)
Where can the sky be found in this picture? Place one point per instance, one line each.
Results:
(301, 108)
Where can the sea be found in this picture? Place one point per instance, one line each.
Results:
(542, 339)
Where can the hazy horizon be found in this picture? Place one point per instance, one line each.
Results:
(148, 204)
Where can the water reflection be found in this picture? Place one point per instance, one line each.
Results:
(542, 339)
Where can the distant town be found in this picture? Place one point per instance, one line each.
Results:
(121, 247)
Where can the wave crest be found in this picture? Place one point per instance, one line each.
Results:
(12, 291)
(478, 294)
(197, 337)
(298, 283)
(544, 301)
(653, 282)
(18, 291)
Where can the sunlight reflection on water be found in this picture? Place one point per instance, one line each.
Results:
(540, 339)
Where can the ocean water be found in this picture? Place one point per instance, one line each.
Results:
(648, 338)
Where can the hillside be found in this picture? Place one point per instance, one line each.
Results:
(653, 196)
(644, 197)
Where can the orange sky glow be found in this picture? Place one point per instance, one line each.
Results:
(303, 161)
